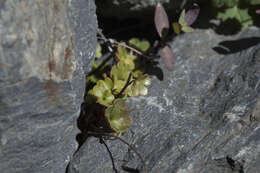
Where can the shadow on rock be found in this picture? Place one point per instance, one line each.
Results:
(234, 46)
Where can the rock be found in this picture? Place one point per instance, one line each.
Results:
(46, 48)
(202, 117)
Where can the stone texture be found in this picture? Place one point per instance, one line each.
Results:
(46, 47)
(202, 117)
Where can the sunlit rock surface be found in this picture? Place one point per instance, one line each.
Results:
(46, 47)
(202, 117)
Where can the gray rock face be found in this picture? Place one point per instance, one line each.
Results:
(46, 47)
(136, 8)
(202, 117)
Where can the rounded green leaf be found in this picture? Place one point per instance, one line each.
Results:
(107, 98)
(122, 53)
(237, 13)
(120, 71)
(138, 72)
(118, 116)
(102, 92)
(118, 86)
(141, 45)
(147, 81)
(125, 57)
(139, 86)
(108, 84)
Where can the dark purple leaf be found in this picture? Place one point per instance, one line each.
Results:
(161, 20)
(167, 57)
(192, 15)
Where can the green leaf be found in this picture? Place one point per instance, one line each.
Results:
(123, 53)
(99, 51)
(225, 3)
(125, 57)
(118, 116)
(141, 45)
(120, 74)
(120, 71)
(236, 13)
(182, 18)
(187, 29)
(139, 86)
(138, 72)
(183, 24)
(108, 84)
(118, 86)
(176, 27)
(102, 92)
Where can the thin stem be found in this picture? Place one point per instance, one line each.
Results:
(99, 31)
(107, 41)
(132, 148)
(112, 41)
(126, 85)
(131, 48)
(110, 154)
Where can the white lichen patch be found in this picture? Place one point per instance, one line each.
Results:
(189, 169)
(150, 101)
(168, 101)
(244, 151)
(233, 114)
(248, 153)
